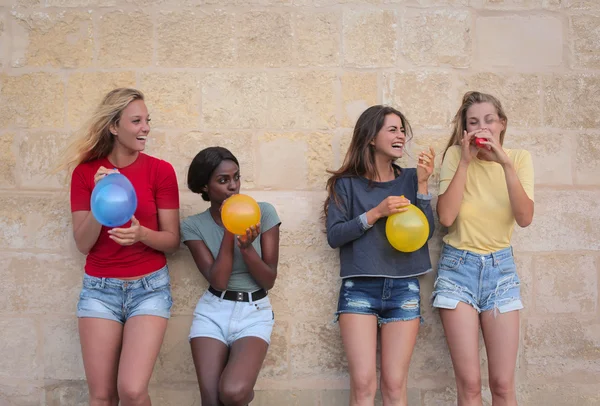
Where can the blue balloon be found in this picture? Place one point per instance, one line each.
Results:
(113, 200)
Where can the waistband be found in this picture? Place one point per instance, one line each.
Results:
(465, 255)
(238, 296)
(131, 284)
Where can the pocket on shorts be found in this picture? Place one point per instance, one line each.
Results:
(264, 308)
(159, 282)
(449, 262)
(507, 265)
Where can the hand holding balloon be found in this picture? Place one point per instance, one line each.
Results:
(127, 236)
(392, 205)
(113, 200)
(102, 172)
(239, 213)
(408, 231)
(244, 241)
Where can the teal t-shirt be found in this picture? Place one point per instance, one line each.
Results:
(202, 227)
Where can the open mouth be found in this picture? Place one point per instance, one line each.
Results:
(397, 145)
(143, 138)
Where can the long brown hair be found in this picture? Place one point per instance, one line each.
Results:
(95, 140)
(360, 157)
(459, 123)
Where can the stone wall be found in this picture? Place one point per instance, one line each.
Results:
(280, 83)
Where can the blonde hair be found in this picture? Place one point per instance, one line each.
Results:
(95, 140)
(460, 119)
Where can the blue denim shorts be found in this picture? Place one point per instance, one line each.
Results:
(228, 320)
(118, 299)
(486, 282)
(388, 299)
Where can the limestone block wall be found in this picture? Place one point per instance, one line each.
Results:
(280, 83)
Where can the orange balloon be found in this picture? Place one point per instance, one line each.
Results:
(239, 213)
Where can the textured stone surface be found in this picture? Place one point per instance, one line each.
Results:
(17, 96)
(264, 39)
(8, 160)
(526, 43)
(562, 349)
(61, 40)
(370, 38)
(303, 100)
(202, 39)
(125, 39)
(566, 284)
(62, 350)
(316, 350)
(578, 90)
(235, 100)
(173, 99)
(317, 40)
(587, 159)
(37, 159)
(437, 37)
(586, 40)
(21, 356)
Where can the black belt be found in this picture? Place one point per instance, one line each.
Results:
(239, 296)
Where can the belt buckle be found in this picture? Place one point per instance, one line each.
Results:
(240, 296)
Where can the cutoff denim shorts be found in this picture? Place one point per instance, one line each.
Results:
(388, 299)
(486, 282)
(228, 320)
(118, 299)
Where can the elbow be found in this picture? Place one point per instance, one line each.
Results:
(218, 285)
(332, 242)
(84, 249)
(524, 221)
(173, 248)
(446, 221)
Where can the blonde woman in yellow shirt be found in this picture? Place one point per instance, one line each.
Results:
(484, 190)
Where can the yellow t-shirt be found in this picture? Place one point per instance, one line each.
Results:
(485, 221)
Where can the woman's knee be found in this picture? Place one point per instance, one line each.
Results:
(394, 389)
(502, 387)
(235, 393)
(364, 386)
(469, 386)
(131, 392)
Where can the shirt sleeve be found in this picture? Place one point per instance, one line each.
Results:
(167, 191)
(189, 232)
(81, 190)
(268, 217)
(340, 228)
(449, 167)
(525, 173)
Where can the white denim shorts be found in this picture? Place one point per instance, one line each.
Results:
(228, 320)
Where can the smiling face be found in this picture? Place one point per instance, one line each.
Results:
(390, 140)
(133, 127)
(224, 182)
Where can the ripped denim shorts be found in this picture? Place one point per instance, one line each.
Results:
(388, 299)
(486, 282)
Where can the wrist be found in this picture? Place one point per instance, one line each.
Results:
(143, 234)
(507, 165)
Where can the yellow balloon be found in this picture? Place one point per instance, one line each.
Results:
(407, 231)
(239, 212)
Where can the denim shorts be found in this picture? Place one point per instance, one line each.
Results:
(118, 299)
(228, 320)
(388, 299)
(486, 282)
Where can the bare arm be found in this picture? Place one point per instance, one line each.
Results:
(216, 271)
(86, 230)
(263, 270)
(521, 204)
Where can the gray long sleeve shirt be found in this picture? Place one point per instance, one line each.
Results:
(364, 249)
